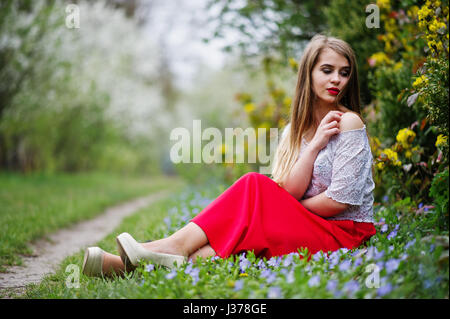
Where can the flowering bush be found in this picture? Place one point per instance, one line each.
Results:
(406, 169)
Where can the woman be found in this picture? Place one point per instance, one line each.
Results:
(320, 195)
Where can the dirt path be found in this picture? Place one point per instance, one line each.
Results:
(50, 252)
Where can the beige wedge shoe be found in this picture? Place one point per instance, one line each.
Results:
(93, 262)
(132, 252)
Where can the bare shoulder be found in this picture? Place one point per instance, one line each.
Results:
(350, 121)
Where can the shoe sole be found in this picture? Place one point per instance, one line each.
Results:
(133, 253)
(93, 261)
(126, 261)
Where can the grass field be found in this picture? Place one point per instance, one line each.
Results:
(32, 206)
(407, 258)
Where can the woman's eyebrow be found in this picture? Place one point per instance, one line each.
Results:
(329, 65)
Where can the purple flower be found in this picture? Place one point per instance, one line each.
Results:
(314, 281)
(351, 287)
(193, 272)
(290, 278)
(244, 263)
(393, 233)
(172, 274)
(385, 198)
(427, 284)
(149, 268)
(274, 292)
(371, 251)
(268, 275)
(167, 222)
(334, 259)
(384, 290)
(345, 265)
(188, 269)
(380, 265)
(384, 228)
(317, 256)
(261, 264)
(274, 261)
(332, 285)
(358, 262)
(420, 205)
(410, 243)
(379, 255)
(392, 265)
(287, 261)
(238, 285)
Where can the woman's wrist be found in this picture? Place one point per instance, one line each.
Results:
(312, 149)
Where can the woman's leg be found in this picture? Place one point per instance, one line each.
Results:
(184, 242)
(204, 252)
(189, 241)
(112, 264)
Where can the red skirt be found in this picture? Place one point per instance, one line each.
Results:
(256, 214)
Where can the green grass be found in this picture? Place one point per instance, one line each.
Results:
(409, 256)
(32, 206)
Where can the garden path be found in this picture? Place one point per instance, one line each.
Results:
(50, 251)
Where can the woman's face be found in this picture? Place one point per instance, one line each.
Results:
(330, 75)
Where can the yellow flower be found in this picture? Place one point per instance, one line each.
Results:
(408, 154)
(398, 66)
(384, 4)
(249, 107)
(412, 12)
(441, 140)
(392, 156)
(243, 275)
(270, 109)
(405, 137)
(424, 12)
(293, 63)
(380, 165)
(287, 101)
(420, 80)
(380, 58)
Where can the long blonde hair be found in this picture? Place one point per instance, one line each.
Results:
(302, 117)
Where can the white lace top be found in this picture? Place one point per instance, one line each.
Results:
(343, 170)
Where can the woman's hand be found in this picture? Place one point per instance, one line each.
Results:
(328, 127)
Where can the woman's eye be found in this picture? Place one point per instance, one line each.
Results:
(345, 74)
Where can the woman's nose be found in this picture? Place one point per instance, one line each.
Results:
(336, 78)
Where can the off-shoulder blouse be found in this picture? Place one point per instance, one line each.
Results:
(343, 170)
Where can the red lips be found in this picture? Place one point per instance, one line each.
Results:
(333, 91)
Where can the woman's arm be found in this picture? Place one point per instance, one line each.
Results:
(297, 182)
(323, 206)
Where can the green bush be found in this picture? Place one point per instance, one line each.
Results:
(439, 192)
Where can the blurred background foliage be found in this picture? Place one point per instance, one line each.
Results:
(403, 68)
(106, 97)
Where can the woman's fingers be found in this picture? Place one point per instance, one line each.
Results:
(332, 115)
